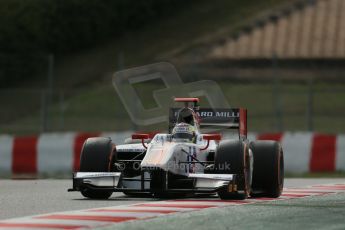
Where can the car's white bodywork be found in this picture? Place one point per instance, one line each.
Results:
(170, 155)
(173, 155)
(183, 155)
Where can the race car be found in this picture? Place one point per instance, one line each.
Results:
(185, 160)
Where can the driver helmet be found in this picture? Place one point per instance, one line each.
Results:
(185, 115)
(184, 132)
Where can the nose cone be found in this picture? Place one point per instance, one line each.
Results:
(158, 156)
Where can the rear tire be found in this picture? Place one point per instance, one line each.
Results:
(98, 154)
(268, 173)
(236, 154)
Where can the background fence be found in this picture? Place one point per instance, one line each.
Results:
(273, 106)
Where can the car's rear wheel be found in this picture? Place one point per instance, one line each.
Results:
(268, 173)
(232, 157)
(98, 154)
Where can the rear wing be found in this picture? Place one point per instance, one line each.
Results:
(217, 118)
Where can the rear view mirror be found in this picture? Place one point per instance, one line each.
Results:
(140, 136)
(209, 137)
(213, 136)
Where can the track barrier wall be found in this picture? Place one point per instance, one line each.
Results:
(52, 153)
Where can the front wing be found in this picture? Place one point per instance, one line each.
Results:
(114, 181)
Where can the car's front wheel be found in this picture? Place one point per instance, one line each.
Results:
(97, 155)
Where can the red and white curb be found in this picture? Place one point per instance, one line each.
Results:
(107, 216)
(60, 152)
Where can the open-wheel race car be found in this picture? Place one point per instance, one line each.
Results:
(183, 161)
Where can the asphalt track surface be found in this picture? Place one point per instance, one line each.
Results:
(19, 198)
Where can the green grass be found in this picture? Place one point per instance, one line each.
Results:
(100, 109)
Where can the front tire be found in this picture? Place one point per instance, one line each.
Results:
(236, 154)
(268, 173)
(97, 155)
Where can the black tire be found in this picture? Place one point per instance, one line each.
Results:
(236, 154)
(97, 155)
(268, 169)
